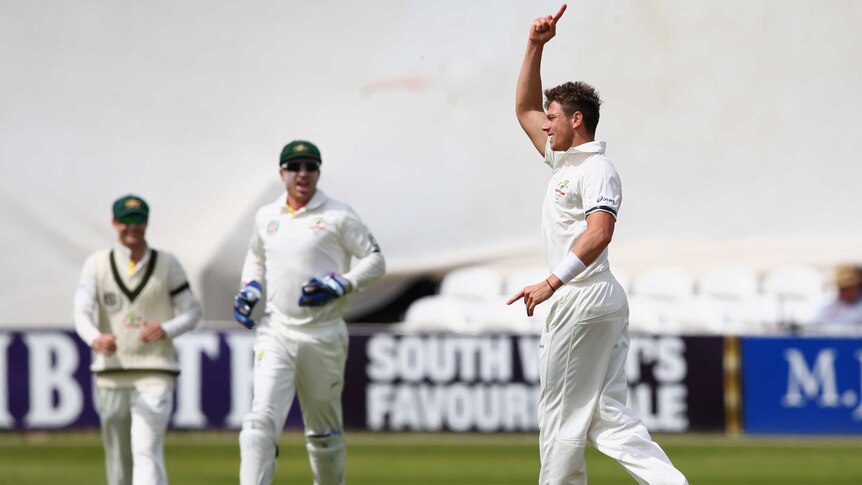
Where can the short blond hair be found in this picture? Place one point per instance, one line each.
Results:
(847, 275)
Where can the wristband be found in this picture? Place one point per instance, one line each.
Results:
(569, 267)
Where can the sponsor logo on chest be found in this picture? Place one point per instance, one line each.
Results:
(561, 189)
(318, 224)
(133, 320)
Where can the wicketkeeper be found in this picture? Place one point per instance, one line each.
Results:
(300, 251)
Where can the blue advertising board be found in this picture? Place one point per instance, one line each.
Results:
(802, 385)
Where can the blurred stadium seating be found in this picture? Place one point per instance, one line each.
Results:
(671, 300)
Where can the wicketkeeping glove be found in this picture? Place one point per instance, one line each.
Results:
(319, 292)
(244, 303)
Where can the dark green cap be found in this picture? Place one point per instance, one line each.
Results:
(131, 208)
(299, 149)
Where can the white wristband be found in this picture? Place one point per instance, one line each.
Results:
(570, 267)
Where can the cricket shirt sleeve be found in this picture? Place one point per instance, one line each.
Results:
(360, 243)
(86, 303)
(187, 307)
(253, 269)
(601, 188)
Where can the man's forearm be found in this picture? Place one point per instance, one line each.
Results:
(366, 270)
(591, 244)
(189, 311)
(529, 90)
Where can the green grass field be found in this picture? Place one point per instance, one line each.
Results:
(392, 458)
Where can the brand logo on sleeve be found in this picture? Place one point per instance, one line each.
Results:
(374, 243)
(606, 200)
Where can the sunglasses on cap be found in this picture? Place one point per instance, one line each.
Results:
(132, 219)
(308, 165)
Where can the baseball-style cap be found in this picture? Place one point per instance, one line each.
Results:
(131, 209)
(847, 275)
(299, 149)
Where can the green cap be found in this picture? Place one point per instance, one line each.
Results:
(131, 208)
(299, 149)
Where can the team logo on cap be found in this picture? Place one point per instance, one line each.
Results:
(300, 148)
(132, 204)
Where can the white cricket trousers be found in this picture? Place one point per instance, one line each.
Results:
(134, 422)
(583, 391)
(308, 363)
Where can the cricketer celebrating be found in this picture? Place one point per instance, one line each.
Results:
(584, 344)
(301, 249)
(131, 302)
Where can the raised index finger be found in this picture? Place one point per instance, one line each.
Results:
(559, 14)
(516, 297)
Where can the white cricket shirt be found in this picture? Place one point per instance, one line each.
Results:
(839, 315)
(288, 248)
(583, 181)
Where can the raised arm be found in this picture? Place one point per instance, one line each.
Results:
(528, 95)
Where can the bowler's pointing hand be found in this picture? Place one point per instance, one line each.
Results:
(545, 28)
(533, 295)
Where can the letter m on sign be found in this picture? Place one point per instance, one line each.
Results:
(805, 384)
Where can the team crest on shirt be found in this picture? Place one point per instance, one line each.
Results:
(133, 320)
(561, 189)
(109, 299)
(318, 224)
(272, 227)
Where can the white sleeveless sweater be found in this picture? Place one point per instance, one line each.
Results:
(126, 302)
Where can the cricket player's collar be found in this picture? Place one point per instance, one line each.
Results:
(124, 255)
(317, 200)
(589, 147)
